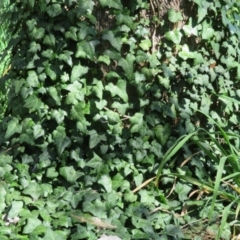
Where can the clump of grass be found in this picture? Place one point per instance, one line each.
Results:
(225, 155)
(5, 34)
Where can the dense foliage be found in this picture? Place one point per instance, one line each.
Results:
(99, 92)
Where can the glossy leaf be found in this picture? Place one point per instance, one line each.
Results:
(13, 127)
(60, 139)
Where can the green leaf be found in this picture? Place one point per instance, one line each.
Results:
(105, 59)
(13, 127)
(84, 7)
(49, 40)
(202, 13)
(32, 79)
(207, 32)
(189, 29)
(16, 208)
(69, 173)
(174, 16)
(53, 235)
(60, 139)
(66, 57)
(163, 132)
(130, 197)
(31, 225)
(98, 89)
(127, 65)
(33, 102)
(54, 94)
(121, 108)
(77, 72)
(115, 42)
(87, 50)
(145, 44)
(164, 81)
(119, 89)
(38, 131)
(174, 231)
(117, 181)
(175, 36)
(111, 4)
(95, 138)
(51, 73)
(58, 115)
(185, 52)
(136, 122)
(31, 3)
(112, 117)
(101, 104)
(106, 182)
(33, 190)
(51, 172)
(125, 19)
(54, 10)
(182, 189)
(37, 33)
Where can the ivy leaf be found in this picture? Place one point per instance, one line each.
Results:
(66, 57)
(54, 10)
(32, 79)
(106, 182)
(111, 3)
(37, 33)
(104, 59)
(182, 189)
(174, 231)
(38, 131)
(95, 138)
(207, 32)
(84, 7)
(101, 104)
(121, 108)
(165, 81)
(202, 13)
(98, 89)
(189, 29)
(54, 94)
(175, 36)
(127, 65)
(33, 190)
(119, 89)
(174, 16)
(136, 122)
(124, 18)
(87, 49)
(115, 42)
(50, 72)
(69, 173)
(185, 52)
(49, 40)
(33, 102)
(16, 208)
(77, 72)
(13, 127)
(163, 132)
(60, 139)
(51, 172)
(53, 235)
(31, 225)
(117, 181)
(112, 117)
(145, 44)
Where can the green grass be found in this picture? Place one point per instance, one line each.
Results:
(224, 155)
(5, 34)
